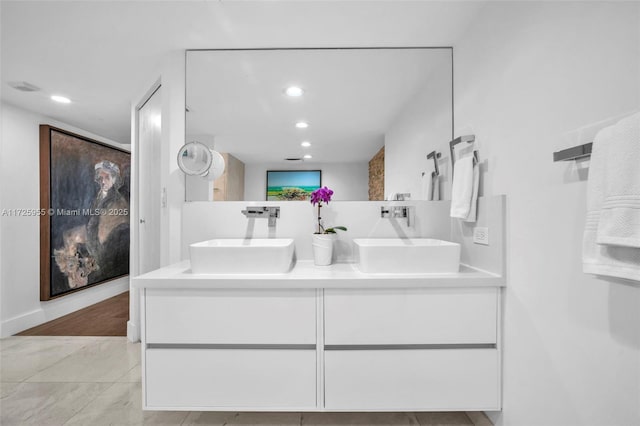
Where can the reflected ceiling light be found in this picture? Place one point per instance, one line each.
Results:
(294, 91)
(305, 144)
(302, 125)
(307, 156)
(61, 99)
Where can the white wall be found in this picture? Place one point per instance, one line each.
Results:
(529, 76)
(20, 243)
(423, 123)
(349, 181)
(204, 220)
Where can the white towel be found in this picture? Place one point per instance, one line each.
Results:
(619, 223)
(474, 197)
(464, 187)
(621, 262)
(434, 187)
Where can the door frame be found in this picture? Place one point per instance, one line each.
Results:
(133, 325)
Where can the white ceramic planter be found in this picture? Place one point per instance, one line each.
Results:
(323, 248)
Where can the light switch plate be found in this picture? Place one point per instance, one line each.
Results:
(481, 235)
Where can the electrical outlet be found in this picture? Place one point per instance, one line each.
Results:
(481, 235)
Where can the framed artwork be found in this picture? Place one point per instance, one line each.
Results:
(292, 185)
(84, 212)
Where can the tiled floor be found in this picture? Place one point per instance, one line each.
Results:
(48, 381)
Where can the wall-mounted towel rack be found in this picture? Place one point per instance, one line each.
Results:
(435, 155)
(456, 141)
(573, 153)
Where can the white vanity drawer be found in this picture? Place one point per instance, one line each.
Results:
(410, 316)
(209, 378)
(246, 316)
(432, 379)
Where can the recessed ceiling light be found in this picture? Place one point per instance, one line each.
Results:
(302, 125)
(307, 156)
(60, 99)
(306, 144)
(294, 91)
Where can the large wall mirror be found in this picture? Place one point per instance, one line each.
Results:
(365, 117)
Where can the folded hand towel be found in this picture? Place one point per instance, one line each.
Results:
(474, 197)
(619, 222)
(622, 262)
(462, 190)
(434, 187)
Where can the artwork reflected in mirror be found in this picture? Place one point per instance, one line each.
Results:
(349, 107)
(292, 185)
(84, 238)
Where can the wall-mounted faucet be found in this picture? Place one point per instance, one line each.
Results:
(403, 212)
(272, 213)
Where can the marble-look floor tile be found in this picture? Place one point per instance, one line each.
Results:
(6, 388)
(21, 358)
(121, 404)
(358, 419)
(479, 418)
(453, 418)
(104, 360)
(209, 418)
(132, 376)
(212, 418)
(46, 403)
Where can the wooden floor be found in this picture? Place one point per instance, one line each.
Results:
(106, 318)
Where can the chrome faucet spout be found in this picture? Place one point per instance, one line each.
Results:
(393, 212)
(272, 213)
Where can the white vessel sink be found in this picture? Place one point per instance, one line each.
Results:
(406, 255)
(242, 256)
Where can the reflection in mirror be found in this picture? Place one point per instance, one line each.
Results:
(367, 118)
(194, 159)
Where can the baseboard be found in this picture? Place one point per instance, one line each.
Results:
(479, 418)
(22, 322)
(57, 308)
(133, 332)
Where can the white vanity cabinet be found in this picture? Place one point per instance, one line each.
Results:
(217, 349)
(320, 339)
(411, 349)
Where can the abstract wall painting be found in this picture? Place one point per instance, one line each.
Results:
(84, 206)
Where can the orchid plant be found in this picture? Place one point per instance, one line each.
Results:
(319, 196)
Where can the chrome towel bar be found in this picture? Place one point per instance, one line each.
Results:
(574, 153)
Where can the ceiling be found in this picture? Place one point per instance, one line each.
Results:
(103, 55)
(351, 97)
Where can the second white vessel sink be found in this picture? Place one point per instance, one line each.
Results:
(406, 255)
(242, 256)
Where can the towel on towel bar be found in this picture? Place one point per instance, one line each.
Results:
(600, 259)
(434, 187)
(619, 223)
(464, 191)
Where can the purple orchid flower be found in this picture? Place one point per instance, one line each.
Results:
(319, 196)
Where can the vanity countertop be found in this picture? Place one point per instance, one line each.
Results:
(307, 275)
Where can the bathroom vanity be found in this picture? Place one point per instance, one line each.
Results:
(321, 338)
